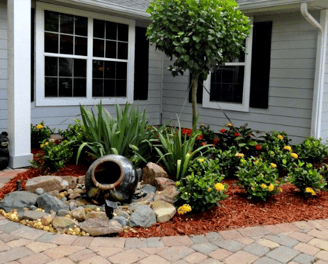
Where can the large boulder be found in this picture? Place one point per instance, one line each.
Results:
(62, 224)
(18, 200)
(152, 171)
(49, 203)
(143, 216)
(164, 211)
(47, 183)
(162, 183)
(170, 195)
(101, 226)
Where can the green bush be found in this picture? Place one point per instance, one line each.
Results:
(312, 150)
(259, 178)
(55, 156)
(39, 133)
(307, 179)
(202, 189)
(74, 132)
(274, 140)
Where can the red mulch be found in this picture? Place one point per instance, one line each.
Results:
(235, 212)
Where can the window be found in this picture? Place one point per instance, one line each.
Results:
(83, 57)
(229, 85)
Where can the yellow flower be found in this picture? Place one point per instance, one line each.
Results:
(287, 148)
(280, 136)
(263, 186)
(294, 155)
(209, 189)
(219, 187)
(229, 125)
(184, 209)
(239, 155)
(273, 165)
(201, 160)
(177, 183)
(280, 189)
(271, 187)
(310, 190)
(47, 143)
(39, 126)
(41, 146)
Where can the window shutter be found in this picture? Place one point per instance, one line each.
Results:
(199, 90)
(32, 52)
(260, 73)
(141, 65)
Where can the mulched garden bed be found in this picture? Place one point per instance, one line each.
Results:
(235, 212)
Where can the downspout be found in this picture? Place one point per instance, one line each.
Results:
(162, 92)
(318, 89)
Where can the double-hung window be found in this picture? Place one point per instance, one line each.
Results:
(83, 57)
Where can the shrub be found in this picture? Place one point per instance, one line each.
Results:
(74, 132)
(312, 150)
(39, 133)
(307, 179)
(55, 156)
(259, 178)
(202, 188)
(275, 139)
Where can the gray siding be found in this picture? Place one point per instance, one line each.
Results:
(324, 117)
(3, 66)
(291, 85)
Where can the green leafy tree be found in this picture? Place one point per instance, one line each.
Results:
(200, 34)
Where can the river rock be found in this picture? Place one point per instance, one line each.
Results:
(100, 226)
(32, 215)
(18, 200)
(170, 195)
(47, 219)
(162, 183)
(164, 211)
(78, 214)
(93, 214)
(143, 216)
(47, 183)
(122, 213)
(49, 203)
(152, 171)
(72, 181)
(147, 188)
(39, 191)
(61, 224)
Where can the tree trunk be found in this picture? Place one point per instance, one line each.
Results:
(194, 82)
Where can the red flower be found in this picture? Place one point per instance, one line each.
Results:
(258, 147)
(200, 137)
(216, 141)
(223, 130)
(236, 134)
(203, 143)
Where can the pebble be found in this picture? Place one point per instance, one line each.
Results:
(39, 191)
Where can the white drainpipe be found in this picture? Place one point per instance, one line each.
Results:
(322, 29)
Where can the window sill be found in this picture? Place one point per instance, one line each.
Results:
(80, 101)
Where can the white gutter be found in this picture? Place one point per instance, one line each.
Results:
(322, 29)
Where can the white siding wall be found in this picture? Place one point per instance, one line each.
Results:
(324, 118)
(60, 117)
(3, 66)
(291, 84)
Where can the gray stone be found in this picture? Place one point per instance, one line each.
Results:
(62, 223)
(148, 198)
(282, 240)
(122, 213)
(134, 206)
(282, 254)
(229, 244)
(33, 215)
(64, 199)
(100, 226)
(32, 207)
(47, 183)
(205, 248)
(78, 214)
(143, 216)
(257, 249)
(72, 205)
(49, 203)
(164, 211)
(18, 200)
(122, 220)
(39, 191)
(63, 212)
(304, 259)
(147, 188)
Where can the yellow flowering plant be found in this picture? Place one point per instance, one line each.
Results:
(307, 179)
(275, 139)
(259, 178)
(40, 132)
(312, 150)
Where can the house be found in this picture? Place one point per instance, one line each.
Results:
(57, 54)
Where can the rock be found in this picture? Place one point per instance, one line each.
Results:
(32, 207)
(61, 224)
(122, 220)
(49, 202)
(46, 219)
(63, 212)
(81, 180)
(72, 205)
(164, 211)
(146, 188)
(143, 216)
(98, 215)
(78, 191)
(72, 181)
(47, 183)
(121, 213)
(80, 202)
(134, 206)
(69, 191)
(149, 198)
(152, 171)
(170, 195)
(54, 193)
(100, 226)
(18, 200)
(78, 214)
(162, 183)
(64, 199)
(73, 196)
(39, 191)
(33, 215)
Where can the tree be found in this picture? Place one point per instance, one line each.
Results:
(200, 34)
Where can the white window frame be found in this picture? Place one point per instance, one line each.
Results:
(41, 100)
(244, 106)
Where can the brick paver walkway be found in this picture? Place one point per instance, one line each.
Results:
(302, 242)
